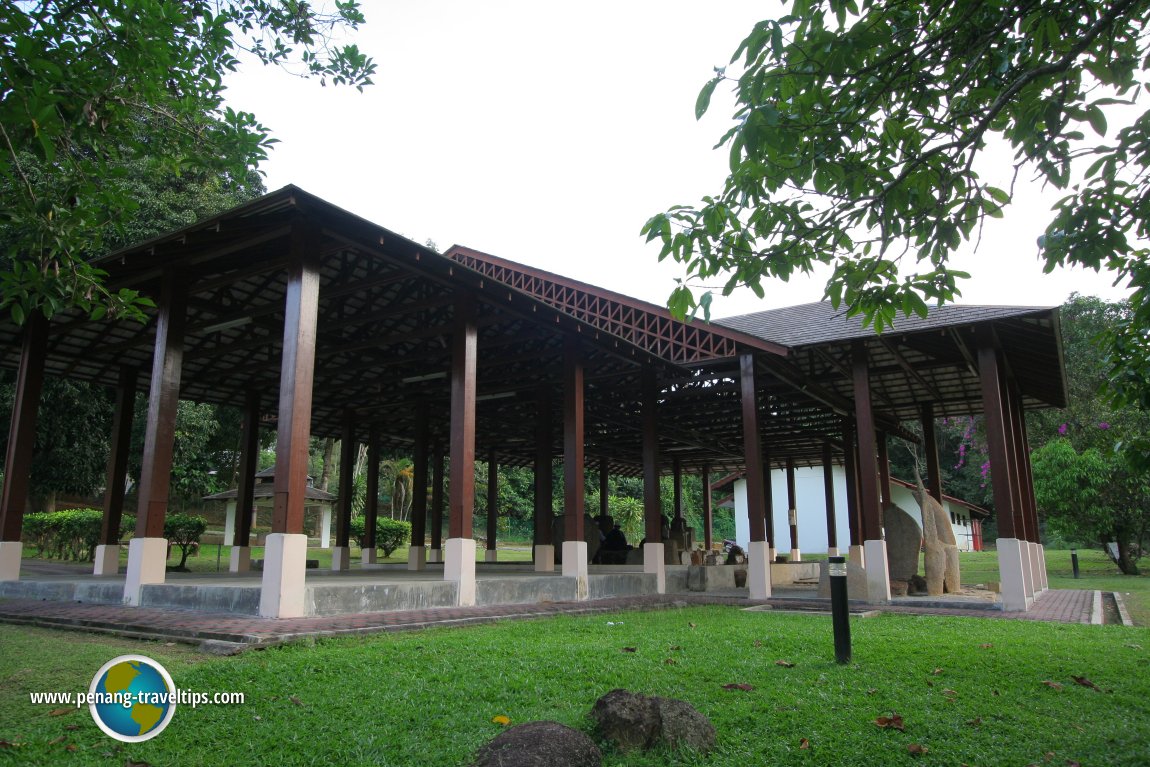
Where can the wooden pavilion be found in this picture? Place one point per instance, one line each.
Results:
(323, 323)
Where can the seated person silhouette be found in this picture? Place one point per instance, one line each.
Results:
(614, 549)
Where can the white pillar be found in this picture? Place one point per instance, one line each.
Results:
(575, 566)
(832, 551)
(856, 555)
(434, 555)
(1010, 575)
(10, 552)
(367, 556)
(340, 558)
(459, 566)
(491, 555)
(1027, 572)
(877, 572)
(230, 522)
(742, 514)
(545, 559)
(107, 559)
(240, 560)
(147, 563)
(653, 562)
(795, 556)
(283, 592)
(1036, 568)
(759, 570)
(1042, 567)
(325, 527)
(417, 558)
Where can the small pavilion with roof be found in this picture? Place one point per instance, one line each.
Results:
(318, 322)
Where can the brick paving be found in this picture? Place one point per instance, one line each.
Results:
(1065, 606)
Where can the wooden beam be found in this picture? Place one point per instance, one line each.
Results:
(867, 461)
(792, 504)
(829, 496)
(752, 449)
(419, 478)
(708, 514)
(492, 500)
(544, 451)
(994, 413)
(371, 502)
(437, 497)
(116, 479)
(464, 350)
(163, 399)
(652, 507)
(348, 447)
(604, 476)
(883, 450)
(677, 485)
(850, 468)
(930, 445)
(573, 439)
(22, 427)
(248, 466)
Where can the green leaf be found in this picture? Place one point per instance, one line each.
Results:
(1097, 119)
(704, 100)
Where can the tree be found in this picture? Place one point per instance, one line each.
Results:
(858, 128)
(88, 90)
(184, 530)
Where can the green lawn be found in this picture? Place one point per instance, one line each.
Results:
(972, 691)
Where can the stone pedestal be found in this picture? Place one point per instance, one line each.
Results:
(575, 566)
(1042, 566)
(230, 522)
(796, 556)
(1010, 575)
(10, 553)
(147, 563)
(107, 559)
(832, 551)
(545, 559)
(1027, 573)
(759, 570)
(325, 527)
(459, 566)
(241, 559)
(367, 556)
(856, 555)
(434, 556)
(491, 555)
(417, 558)
(340, 558)
(877, 572)
(653, 562)
(283, 591)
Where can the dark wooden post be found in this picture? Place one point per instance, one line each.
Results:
(752, 449)
(21, 439)
(867, 461)
(768, 502)
(163, 398)
(371, 500)
(572, 444)
(677, 486)
(416, 556)
(246, 484)
(792, 507)
(464, 348)
(883, 471)
(933, 477)
(829, 500)
(437, 502)
(492, 505)
(604, 488)
(708, 515)
(117, 476)
(348, 447)
(652, 506)
(850, 469)
(543, 483)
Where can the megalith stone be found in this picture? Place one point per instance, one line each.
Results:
(903, 541)
(632, 721)
(940, 560)
(539, 744)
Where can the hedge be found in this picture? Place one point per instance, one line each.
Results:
(390, 534)
(69, 533)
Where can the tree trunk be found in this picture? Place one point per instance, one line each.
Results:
(325, 472)
(1126, 563)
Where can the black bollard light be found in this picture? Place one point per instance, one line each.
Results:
(1074, 561)
(840, 611)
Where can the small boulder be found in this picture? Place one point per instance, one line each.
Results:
(682, 726)
(539, 744)
(632, 721)
(917, 586)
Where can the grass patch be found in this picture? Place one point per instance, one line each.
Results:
(428, 697)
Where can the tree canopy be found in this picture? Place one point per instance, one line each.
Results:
(88, 90)
(857, 133)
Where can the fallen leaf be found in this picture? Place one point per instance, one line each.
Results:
(986, 646)
(675, 647)
(258, 718)
(950, 693)
(916, 749)
(892, 722)
(758, 643)
(60, 711)
(57, 740)
(501, 719)
(804, 743)
(1072, 763)
(929, 683)
(295, 699)
(628, 649)
(71, 727)
(1051, 684)
(670, 662)
(1085, 682)
(169, 644)
(871, 691)
(975, 722)
(784, 663)
(692, 625)
(936, 672)
(738, 686)
(1048, 756)
(994, 693)
(70, 747)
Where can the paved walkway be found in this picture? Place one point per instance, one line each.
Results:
(228, 633)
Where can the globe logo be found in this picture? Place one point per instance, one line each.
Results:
(132, 698)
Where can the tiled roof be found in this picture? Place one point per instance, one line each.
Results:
(819, 322)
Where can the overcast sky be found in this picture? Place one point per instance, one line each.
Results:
(548, 133)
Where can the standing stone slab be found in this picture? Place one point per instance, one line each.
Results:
(903, 541)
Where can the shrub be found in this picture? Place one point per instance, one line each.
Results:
(184, 530)
(390, 534)
(66, 534)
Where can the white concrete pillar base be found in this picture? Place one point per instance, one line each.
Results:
(491, 555)
(147, 563)
(459, 566)
(230, 522)
(340, 558)
(416, 558)
(545, 559)
(653, 562)
(325, 528)
(10, 553)
(240, 560)
(773, 553)
(1036, 567)
(759, 570)
(1042, 567)
(367, 556)
(877, 572)
(575, 566)
(832, 551)
(1027, 572)
(283, 592)
(107, 559)
(856, 555)
(434, 556)
(796, 556)
(1010, 575)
